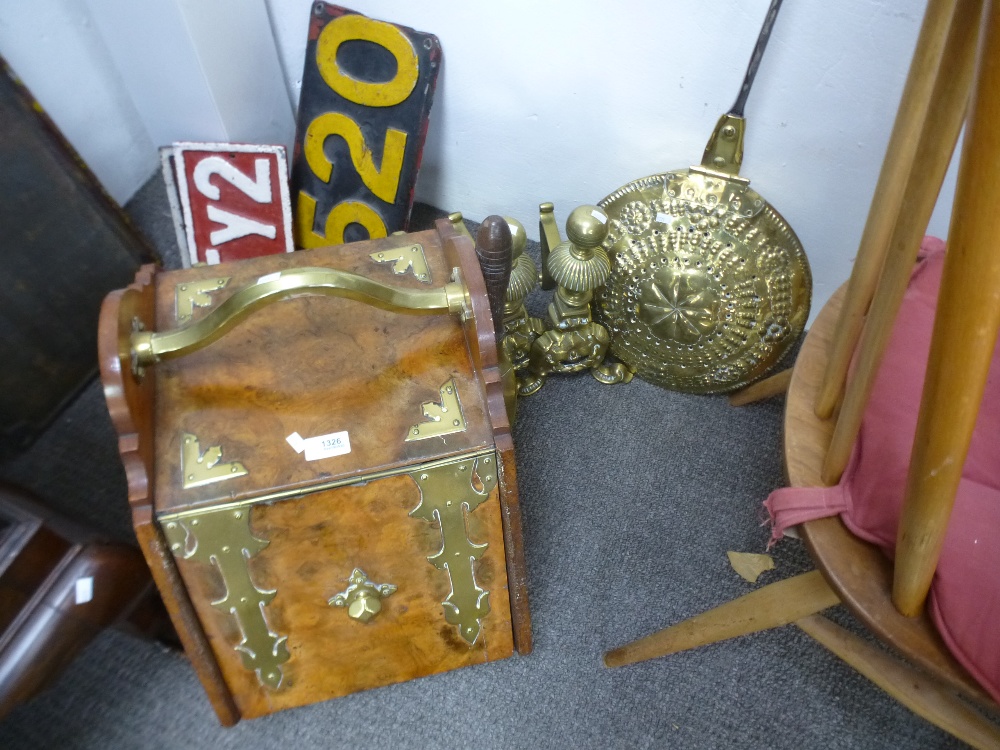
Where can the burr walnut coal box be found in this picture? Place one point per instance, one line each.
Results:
(320, 466)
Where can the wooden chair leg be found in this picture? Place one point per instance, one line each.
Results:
(900, 156)
(762, 389)
(937, 143)
(923, 695)
(964, 338)
(768, 607)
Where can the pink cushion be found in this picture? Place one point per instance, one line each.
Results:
(965, 596)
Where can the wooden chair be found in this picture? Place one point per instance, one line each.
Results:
(857, 323)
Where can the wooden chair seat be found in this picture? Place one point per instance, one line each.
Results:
(949, 84)
(857, 571)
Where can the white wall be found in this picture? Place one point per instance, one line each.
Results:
(566, 101)
(561, 101)
(199, 71)
(121, 78)
(55, 49)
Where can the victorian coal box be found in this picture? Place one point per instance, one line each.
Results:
(323, 487)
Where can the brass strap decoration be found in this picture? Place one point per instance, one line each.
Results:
(447, 493)
(200, 468)
(192, 294)
(224, 539)
(724, 150)
(409, 258)
(444, 417)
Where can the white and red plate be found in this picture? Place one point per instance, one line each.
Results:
(232, 199)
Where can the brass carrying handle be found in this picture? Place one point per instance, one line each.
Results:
(150, 347)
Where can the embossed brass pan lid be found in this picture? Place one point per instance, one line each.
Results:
(709, 287)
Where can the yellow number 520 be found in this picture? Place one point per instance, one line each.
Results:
(382, 180)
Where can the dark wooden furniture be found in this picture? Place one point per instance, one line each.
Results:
(59, 587)
(65, 245)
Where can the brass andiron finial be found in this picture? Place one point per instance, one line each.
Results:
(577, 268)
(520, 329)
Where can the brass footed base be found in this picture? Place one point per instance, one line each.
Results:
(611, 373)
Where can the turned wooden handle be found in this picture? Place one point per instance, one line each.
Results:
(494, 249)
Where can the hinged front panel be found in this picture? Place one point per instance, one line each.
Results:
(350, 588)
(313, 388)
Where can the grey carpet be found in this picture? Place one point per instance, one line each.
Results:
(631, 494)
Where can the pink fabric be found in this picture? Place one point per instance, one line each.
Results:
(965, 596)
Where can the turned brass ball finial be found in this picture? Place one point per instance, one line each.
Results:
(523, 274)
(580, 264)
(586, 227)
(520, 329)
(518, 237)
